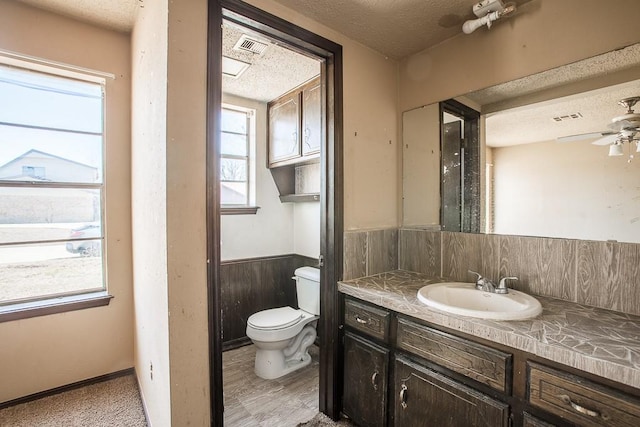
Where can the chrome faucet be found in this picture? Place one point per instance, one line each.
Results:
(483, 284)
(502, 286)
(486, 285)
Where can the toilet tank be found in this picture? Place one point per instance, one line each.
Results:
(308, 289)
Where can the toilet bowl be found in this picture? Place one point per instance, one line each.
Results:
(283, 335)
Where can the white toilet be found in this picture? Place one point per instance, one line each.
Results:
(283, 335)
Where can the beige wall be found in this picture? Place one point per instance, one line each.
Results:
(149, 210)
(186, 212)
(45, 352)
(569, 190)
(370, 127)
(544, 35)
(169, 217)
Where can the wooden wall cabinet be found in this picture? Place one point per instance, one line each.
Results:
(295, 125)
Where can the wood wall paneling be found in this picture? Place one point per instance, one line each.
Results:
(251, 285)
(420, 251)
(382, 251)
(462, 252)
(608, 274)
(543, 266)
(355, 255)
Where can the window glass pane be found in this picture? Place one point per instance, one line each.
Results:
(39, 214)
(36, 271)
(38, 99)
(234, 121)
(233, 169)
(233, 144)
(41, 155)
(233, 193)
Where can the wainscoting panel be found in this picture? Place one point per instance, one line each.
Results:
(543, 266)
(608, 275)
(420, 251)
(462, 252)
(255, 284)
(355, 255)
(382, 251)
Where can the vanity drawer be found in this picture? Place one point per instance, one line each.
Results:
(481, 363)
(578, 400)
(369, 320)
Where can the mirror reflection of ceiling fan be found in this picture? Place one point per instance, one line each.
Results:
(624, 128)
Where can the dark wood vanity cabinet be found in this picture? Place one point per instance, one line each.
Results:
(365, 381)
(402, 372)
(423, 397)
(387, 381)
(579, 400)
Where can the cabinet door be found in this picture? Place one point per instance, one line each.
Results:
(312, 118)
(284, 128)
(365, 381)
(423, 397)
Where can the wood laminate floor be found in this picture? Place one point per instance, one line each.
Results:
(250, 401)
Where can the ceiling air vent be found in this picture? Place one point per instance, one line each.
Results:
(567, 117)
(248, 44)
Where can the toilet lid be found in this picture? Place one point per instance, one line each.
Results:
(275, 318)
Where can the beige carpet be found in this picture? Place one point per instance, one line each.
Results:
(110, 403)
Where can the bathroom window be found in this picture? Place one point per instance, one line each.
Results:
(237, 160)
(51, 187)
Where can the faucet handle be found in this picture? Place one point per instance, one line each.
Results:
(479, 280)
(502, 286)
(477, 274)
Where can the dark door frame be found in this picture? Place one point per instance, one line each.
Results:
(331, 200)
(470, 185)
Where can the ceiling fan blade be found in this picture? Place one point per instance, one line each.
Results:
(583, 136)
(606, 140)
(624, 125)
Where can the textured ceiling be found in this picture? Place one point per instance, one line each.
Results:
(396, 28)
(118, 15)
(533, 123)
(271, 74)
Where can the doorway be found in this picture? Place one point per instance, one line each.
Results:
(330, 55)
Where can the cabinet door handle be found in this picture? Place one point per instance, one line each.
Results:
(360, 320)
(403, 396)
(579, 408)
(374, 383)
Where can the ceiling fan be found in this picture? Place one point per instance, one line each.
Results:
(624, 128)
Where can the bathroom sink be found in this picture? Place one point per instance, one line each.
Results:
(464, 299)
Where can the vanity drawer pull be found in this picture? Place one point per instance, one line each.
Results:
(374, 380)
(580, 400)
(360, 320)
(403, 396)
(369, 320)
(566, 399)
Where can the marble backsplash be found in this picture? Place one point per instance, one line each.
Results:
(597, 274)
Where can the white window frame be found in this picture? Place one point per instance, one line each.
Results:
(250, 207)
(81, 299)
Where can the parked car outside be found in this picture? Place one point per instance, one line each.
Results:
(85, 247)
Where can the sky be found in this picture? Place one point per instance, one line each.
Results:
(37, 99)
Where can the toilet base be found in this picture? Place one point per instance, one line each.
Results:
(274, 363)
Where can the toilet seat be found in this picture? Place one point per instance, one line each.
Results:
(275, 318)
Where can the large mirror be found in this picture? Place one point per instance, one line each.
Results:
(558, 157)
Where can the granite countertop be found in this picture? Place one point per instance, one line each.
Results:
(602, 342)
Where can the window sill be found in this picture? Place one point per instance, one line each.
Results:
(239, 210)
(53, 306)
